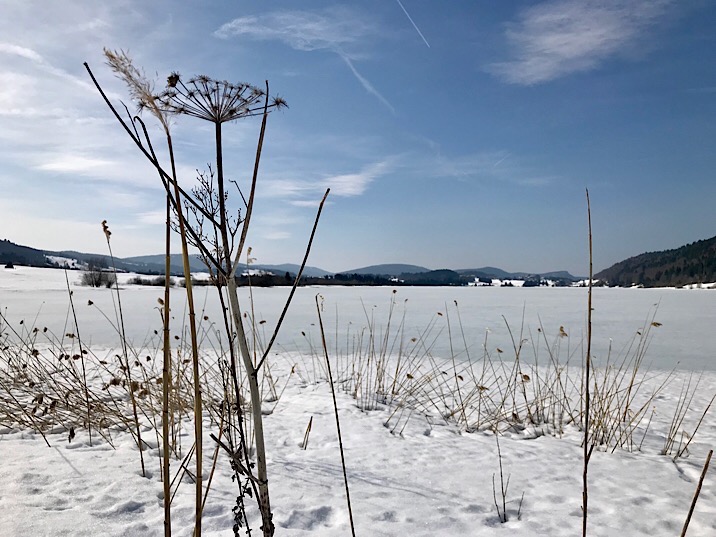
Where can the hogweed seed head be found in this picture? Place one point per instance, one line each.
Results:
(173, 80)
(217, 101)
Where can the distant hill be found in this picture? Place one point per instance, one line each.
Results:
(486, 272)
(148, 264)
(557, 274)
(693, 263)
(292, 268)
(433, 277)
(154, 264)
(21, 255)
(497, 273)
(143, 264)
(395, 269)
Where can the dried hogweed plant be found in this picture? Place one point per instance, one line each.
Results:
(214, 233)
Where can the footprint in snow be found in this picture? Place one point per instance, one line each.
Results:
(309, 519)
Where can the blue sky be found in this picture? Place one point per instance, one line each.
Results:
(453, 134)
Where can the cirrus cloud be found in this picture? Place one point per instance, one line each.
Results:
(336, 29)
(560, 37)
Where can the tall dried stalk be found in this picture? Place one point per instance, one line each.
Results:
(82, 357)
(335, 411)
(588, 366)
(125, 352)
(141, 90)
(166, 376)
(696, 494)
(219, 102)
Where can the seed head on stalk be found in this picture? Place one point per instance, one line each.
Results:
(217, 101)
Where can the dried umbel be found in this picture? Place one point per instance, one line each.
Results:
(217, 101)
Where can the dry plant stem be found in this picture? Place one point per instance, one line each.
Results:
(182, 470)
(335, 409)
(264, 503)
(587, 450)
(503, 488)
(454, 368)
(213, 464)
(166, 382)
(244, 445)
(252, 194)
(125, 352)
(308, 432)
(82, 357)
(251, 370)
(242, 469)
(696, 494)
(680, 452)
(296, 281)
(198, 435)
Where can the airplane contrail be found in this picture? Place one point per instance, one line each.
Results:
(496, 164)
(365, 83)
(413, 23)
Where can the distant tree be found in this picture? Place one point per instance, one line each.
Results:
(97, 275)
(96, 263)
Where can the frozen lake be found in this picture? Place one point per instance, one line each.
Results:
(686, 338)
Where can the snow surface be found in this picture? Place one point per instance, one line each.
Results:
(433, 479)
(685, 340)
(65, 262)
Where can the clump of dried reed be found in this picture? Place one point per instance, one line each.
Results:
(532, 386)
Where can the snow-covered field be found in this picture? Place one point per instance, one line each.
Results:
(412, 470)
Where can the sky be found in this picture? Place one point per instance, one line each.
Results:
(452, 134)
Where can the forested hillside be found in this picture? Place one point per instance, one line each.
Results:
(693, 263)
(20, 255)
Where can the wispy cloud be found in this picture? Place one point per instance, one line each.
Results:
(704, 89)
(17, 50)
(355, 184)
(302, 30)
(277, 235)
(157, 217)
(492, 166)
(40, 62)
(75, 164)
(560, 37)
(306, 203)
(336, 29)
(303, 193)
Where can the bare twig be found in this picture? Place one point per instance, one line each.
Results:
(335, 410)
(295, 283)
(696, 494)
